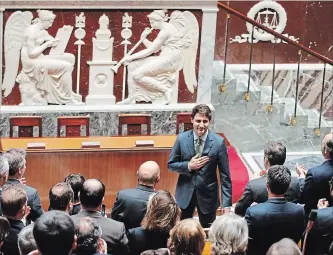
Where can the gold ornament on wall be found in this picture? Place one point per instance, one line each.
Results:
(293, 121)
(222, 88)
(246, 97)
(317, 132)
(269, 108)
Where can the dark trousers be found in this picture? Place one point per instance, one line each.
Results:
(205, 219)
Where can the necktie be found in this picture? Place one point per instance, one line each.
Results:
(199, 146)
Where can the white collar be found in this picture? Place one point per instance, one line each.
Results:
(203, 138)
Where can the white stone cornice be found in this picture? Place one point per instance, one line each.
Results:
(110, 4)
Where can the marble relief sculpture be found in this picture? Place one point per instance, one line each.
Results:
(43, 78)
(152, 78)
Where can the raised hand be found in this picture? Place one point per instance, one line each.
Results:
(198, 162)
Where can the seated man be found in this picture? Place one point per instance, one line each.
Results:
(321, 235)
(89, 237)
(14, 208)
(4, 229)
(75, 181)
(256, 192)
(275, 219)
(61, 197)
(26, 240)
(131, 204)
(17, 168)
(113, 232)
(54, 233)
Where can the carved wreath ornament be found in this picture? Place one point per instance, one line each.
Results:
(267, 5)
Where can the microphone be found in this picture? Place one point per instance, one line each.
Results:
(312, 219)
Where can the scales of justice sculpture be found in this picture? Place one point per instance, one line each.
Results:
(153, 73)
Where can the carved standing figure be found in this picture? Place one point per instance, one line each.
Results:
(152, 78)
(43, 78)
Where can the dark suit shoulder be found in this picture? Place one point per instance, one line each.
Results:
(182, 135)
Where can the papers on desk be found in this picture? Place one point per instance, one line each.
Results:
(88, 145)
(36, 145)
(144, 143)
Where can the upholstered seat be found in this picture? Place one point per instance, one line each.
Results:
(73, 125)
(134, 123)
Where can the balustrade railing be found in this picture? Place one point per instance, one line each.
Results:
(301, 48)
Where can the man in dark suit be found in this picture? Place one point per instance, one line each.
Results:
(131, 204)
(321, 235)
(314, 185)
(17, 168)
(113, 232)
(61, 197)
(195, 156)
(14, 208)
(275, 219)
(256, 192)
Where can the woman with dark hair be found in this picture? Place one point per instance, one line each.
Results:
(161, 216)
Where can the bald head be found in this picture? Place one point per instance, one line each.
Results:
(92, 194)
(149, 173)
(327, 146)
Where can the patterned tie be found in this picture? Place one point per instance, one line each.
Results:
(199, 146)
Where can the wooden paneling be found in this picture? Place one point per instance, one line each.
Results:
(115, 165)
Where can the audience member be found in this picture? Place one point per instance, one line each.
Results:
(285, 247)
(187, 238)
(314, 185)
(162, 251)
(321, 235)
(14, 208)
(89, 237)
(161, 216)
(330, 252)
(26, 240)
(256, 192)
(54, 233)
(61, 197)
(228, 235)
(17, 168)
(113, 232)
(4, 169)
(131, 204)
(4, 229)
(275, 219)
(75, 181)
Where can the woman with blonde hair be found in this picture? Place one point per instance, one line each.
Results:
(229, 235)
(187, 238)
(161, 216)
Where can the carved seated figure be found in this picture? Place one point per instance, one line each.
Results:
(43, 78)
(152, 78)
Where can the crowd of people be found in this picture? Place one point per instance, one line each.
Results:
(270, 217)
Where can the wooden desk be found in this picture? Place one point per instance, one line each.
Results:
(115, 163)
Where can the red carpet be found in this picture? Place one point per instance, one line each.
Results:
(239, 174)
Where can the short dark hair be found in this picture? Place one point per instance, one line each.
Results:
(88, 233)
(329, 147)
(13, 199)
(60, 196)
(26, 241)
(278, 179)
(275, 152)
(4, 228)
(16, 158)
(54, 233)
(92, 193)
(76, 181)
(202, 109)
(162, 212)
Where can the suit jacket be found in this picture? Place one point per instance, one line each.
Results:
(255, 191)
(271, 221)
(204, 181)
(321, 235)
(10, 246)
(141, 240)
(113, 232)
(315, 186)
(33, 200)
(131, 205)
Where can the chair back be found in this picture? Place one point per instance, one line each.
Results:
(134, 123)
(25, 125)
(73, 125)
